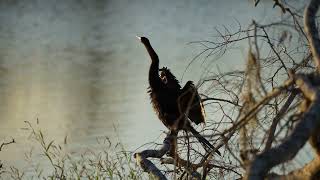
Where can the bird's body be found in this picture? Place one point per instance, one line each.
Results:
(166, 110)
(170, 102)
(174, 105)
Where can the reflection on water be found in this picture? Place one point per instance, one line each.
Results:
(77, 67)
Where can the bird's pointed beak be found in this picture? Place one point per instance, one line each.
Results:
(138, 37)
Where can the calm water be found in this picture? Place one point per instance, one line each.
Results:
(78, 68)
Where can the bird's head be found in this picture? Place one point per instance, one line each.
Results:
(144, 40)
(168, 78)
(163, 76)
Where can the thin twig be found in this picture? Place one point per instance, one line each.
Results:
(7, 143)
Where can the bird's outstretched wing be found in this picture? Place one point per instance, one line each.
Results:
(190, 103)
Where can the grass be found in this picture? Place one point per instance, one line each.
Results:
(112, 161)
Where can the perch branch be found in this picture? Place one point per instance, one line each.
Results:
(147, 165)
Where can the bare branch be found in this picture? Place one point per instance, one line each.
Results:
(147, 165)
(309, 171)
(276, 119)
(299, 136)
(312, 31)
(6, 143)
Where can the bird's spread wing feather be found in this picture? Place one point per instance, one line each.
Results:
(190, 103)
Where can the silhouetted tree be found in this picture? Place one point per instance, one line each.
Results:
(268, 111)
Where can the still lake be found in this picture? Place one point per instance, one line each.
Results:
(77, 67)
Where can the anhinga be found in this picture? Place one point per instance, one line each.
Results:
(174, 105)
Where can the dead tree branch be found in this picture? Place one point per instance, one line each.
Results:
(290, 147)
(276, 120)
(309, 122)
(6, 143)
(169, 148)
(147, 165)
(312, 31)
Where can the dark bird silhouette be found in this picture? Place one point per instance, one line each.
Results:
(174, 105)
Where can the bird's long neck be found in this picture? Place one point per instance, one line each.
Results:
(154, 79)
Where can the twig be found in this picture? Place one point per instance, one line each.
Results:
(299, 136)
(7, 143)
(276, 119)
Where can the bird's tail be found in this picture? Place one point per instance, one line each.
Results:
(205, 143)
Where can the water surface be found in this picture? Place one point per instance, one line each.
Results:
(77, 67)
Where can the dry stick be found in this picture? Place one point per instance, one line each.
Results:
(188, 152)
(312, 31)
(219, 99)
(147, 165)
(243, 120)
(184, 163)
(276, 120)
(308, 171)
(258, 57)
(274, 51)
(299, 136)
(6, 143)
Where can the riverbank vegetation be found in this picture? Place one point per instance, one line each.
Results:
(55, 161)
